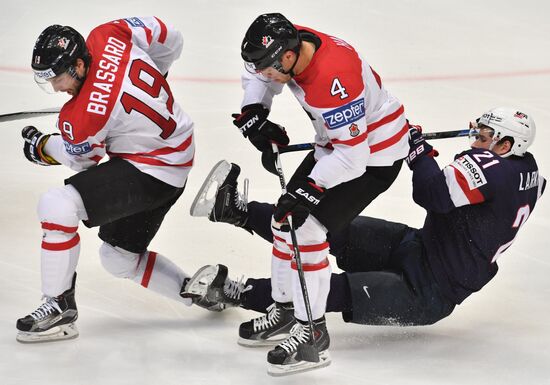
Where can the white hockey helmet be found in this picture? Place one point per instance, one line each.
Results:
(506, 121)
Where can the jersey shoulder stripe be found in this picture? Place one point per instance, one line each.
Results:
(136, 22)
(465, 178)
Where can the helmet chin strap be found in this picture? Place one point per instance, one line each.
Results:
(291, 70)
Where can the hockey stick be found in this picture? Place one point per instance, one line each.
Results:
(28, 114)
(307, 352)
(445, 134)
(425, 135)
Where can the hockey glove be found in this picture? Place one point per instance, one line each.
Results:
(418, 146)
(34, 146)
(301, 198)
(253, 124)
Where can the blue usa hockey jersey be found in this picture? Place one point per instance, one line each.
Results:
(476, 205)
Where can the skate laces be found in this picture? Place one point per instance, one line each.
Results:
(46, 308)
(267, 320)
(241, 200)
(299, 334)
(234, 289)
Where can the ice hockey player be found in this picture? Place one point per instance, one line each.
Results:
(395, 274)
(361, 139)
(121, 106)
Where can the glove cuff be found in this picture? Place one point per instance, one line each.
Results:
(312, 183)
(254, 106)
(45, 157)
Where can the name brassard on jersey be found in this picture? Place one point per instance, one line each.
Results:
(108, 66)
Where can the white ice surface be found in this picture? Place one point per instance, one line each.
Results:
(446, 61)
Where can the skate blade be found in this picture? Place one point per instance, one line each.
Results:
(58, 333)
(260, 343)
(199, 282)
(204, 203)
(299, 367)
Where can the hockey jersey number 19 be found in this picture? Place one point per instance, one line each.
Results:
(125, 107)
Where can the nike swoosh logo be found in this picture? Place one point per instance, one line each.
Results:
(365, 289)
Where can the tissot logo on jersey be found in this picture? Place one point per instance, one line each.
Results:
(77, 149)
(345, 115)
(471, 171)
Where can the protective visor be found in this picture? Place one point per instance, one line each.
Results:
(255, 68)
(50, 82)
(478, 130)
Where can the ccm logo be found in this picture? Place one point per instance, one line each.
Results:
(308, 197)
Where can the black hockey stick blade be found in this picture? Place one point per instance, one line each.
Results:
(425, 135)
(445, 134)
(28, 114)
(269, 160)
(307, 352)
(296, 147)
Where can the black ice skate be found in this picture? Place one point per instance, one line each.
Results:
(211, 285)
(227, 205)
(269, 329)
(286, 358)
(54, 320)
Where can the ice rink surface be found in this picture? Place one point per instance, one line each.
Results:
(446, 61)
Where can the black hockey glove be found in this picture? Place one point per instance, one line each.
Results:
(253, 124)
(301, 198)
(34, 146)
(418, 146)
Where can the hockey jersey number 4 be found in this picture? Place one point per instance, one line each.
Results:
(357, 122)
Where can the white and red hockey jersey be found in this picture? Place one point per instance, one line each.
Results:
(357, 122)
(125, 107)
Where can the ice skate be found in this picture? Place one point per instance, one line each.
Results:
(202, 301)
(227, 204)
(210, 284)
(269, 329)
(54, 320)
(296, 354)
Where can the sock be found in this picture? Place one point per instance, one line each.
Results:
(158, 273)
